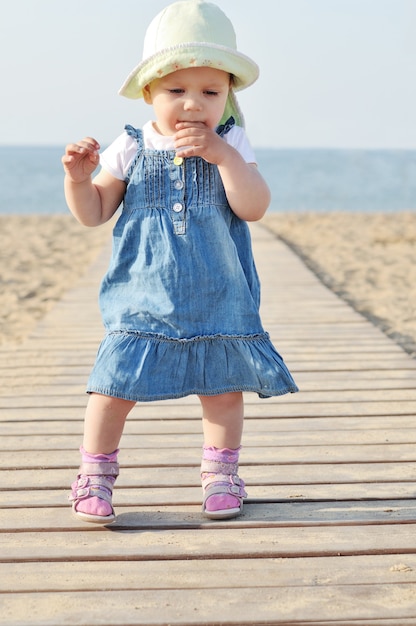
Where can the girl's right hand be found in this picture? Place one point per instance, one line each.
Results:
(81, 159)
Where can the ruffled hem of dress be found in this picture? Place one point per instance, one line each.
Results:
(141, 367)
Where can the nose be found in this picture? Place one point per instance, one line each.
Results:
(192, 103)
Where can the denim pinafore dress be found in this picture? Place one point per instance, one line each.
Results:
(180, 300)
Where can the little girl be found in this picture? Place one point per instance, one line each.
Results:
(180, 300)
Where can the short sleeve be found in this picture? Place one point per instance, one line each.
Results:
(237, 138)
(117, 157)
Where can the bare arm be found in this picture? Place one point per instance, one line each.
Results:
(91, 201)
(247, 191)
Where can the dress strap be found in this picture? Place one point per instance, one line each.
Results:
(225, 128)
(137, 134)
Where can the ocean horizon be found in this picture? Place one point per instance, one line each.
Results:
(301, 180)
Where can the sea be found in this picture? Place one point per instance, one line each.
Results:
(301, 180)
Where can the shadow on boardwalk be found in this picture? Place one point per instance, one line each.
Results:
(328, 533)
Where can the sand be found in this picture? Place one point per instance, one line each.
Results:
(40, 258)
(368, 259)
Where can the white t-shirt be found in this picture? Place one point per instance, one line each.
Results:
(116, 159)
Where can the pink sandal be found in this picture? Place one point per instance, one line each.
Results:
(94, 480)
(223, 490)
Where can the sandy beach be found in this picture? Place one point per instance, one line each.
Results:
(368, 259)
(41, 256)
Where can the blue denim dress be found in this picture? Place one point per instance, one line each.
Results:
(180, 300)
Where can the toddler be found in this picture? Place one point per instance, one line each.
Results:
(180, 300)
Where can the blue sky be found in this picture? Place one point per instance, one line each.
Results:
(334, 73)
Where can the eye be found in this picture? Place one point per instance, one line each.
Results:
(176, 91)
(210, 92)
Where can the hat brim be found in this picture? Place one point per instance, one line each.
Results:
(183, 56)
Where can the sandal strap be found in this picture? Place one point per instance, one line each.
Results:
(219, 477)
(94, 479)
(80, 493)
(225, 484)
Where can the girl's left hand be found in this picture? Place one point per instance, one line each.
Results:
(196, 139)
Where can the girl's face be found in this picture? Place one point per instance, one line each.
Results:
(197, 94)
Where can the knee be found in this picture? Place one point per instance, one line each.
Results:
(222, 403)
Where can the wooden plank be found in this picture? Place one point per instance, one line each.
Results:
(226, 540)
(318, 396)
(290, 474)
(322, 382)
(258, 494)
(303, 605)
(285, 408)
(255, 516)
(188, 451)
(134, 575)
(44, 453)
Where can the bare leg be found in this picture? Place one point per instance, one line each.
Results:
(92, 491)
(223, 426)
(223, 418)
(104, 423)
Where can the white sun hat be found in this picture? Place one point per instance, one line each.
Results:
(191, 33)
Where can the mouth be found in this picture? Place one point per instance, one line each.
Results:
(190, 122)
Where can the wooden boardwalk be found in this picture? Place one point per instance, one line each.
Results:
(328, 535)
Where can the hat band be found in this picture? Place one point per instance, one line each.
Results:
(187, 55)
